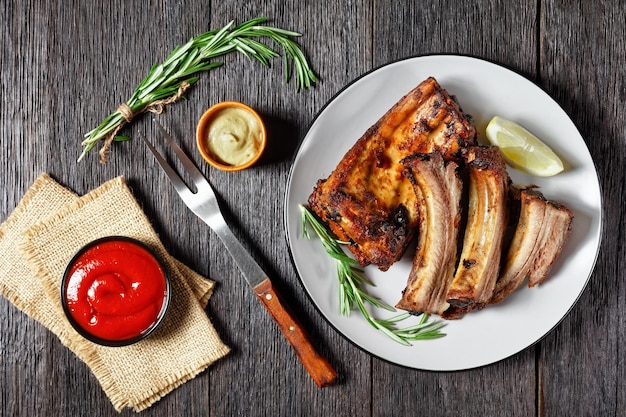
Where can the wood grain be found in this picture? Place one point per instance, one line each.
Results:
(66, 64)
(580, 51)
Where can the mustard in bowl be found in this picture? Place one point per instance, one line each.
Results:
(231, 136)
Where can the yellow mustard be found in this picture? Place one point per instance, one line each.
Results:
(234, 136)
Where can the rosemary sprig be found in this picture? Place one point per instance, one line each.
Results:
(167, 82)
(351, 281)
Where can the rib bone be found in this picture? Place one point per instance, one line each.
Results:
(476, 274)
(438, 189)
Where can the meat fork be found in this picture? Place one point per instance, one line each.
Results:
(204, 204)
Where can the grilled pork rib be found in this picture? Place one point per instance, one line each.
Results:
(438, 188)
(479, 263)
(542, 230)
(367, 200)
(402, 177)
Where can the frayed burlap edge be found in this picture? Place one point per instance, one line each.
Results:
(43, 180)
(202, 287)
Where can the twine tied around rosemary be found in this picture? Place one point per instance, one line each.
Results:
(166, 82)
(128, 114)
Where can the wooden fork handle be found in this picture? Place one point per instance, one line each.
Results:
(320, 370)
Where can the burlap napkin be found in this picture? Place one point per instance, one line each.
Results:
(37, 241)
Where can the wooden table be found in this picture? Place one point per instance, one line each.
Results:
(65, 65)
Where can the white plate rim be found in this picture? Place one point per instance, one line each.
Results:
(380, 349)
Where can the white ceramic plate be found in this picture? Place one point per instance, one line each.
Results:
(483, 90)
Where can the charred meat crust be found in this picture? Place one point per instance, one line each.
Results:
(367, 200)
(381, 232)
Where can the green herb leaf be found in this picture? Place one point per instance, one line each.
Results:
(351, 282)
(167, 82)
(120, 138)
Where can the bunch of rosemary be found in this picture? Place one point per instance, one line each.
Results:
(351, 281)
(165, 83)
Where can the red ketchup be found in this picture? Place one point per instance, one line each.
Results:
(115, 291)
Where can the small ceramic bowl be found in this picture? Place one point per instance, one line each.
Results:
(226, 139)
(115, 291)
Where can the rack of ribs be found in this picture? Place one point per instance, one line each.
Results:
(367, 200)
(419, 171)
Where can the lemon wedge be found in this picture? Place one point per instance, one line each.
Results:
(521, 149)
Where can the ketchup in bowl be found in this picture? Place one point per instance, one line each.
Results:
(115, 291)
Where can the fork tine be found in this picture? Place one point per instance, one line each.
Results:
(178, 183)
(188, 164)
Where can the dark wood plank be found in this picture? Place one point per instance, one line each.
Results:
(501, 32)
(26, 354)
(582, 53)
